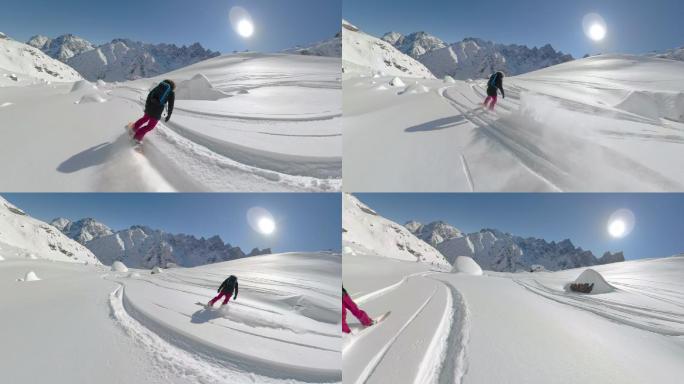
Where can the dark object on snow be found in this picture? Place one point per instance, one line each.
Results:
(158, 97)
(495, 82)
(229, 286)
(582, 288)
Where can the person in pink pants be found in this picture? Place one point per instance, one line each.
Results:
(349, 304)
(163, 95)
(494, 84)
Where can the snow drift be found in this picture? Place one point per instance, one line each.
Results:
(198, 88)
(118, 266)
(590, 276)
(31, 276)
(466, 265)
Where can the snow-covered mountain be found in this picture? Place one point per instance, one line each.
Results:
(364, 232)
(22, 236)
(82, 230)
(475, 58)
(331, 47)
(18, 60)
(143, 247)
(415, 44)
(61, 48)
(365, 54)
(498, 251)
(671, 54)
(433, 233)
(120, 59)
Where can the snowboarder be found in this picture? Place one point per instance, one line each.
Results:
(348, 303)
(158, 97)
(227, 288)
(495, 83)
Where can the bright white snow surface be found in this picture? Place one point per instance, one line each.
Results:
(466, 265)
(85, 324)
(514, 327)
(605, 123)
(242, 122)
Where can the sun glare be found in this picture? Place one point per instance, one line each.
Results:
(266, 225)
(617, 228)
(597, 32)
(594, 27)
(245, 28)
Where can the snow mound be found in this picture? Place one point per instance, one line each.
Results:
(171, 265)
(396, 82)
(590, 276)
(198, 88)
(31, 256)
(83, 85)
(654, 105)
(118, 266)
(91, 97)
(449, 80)
(31, 276)
(466, 265)
(101, 83)
(347, 250)
(2, 258)
(415, 89)
(157, 270)
(7, 104)
(134, 275)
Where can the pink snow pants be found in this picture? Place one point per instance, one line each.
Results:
(492, 99)
(141, 131)
(225, 301)
(348, 303)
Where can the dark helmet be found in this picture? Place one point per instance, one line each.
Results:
(171, 83)
(232, 278)
(500, 74)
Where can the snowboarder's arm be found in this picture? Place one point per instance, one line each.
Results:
(172, 99)
(220, 288)
(236, 291)
(502, 92)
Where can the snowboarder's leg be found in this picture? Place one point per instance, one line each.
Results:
(215, 299)
(345, 326)
(487, 100)
(142, 131)
(349, 304)
(227, 297)
(491, 106)
(140, 122)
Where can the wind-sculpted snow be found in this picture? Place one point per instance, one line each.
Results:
(243, 122)
(630, 335)
(587, 125)
(283, 326)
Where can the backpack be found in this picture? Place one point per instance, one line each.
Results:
(492, 80)
(165, 95)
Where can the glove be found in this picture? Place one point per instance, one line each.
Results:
(167, 118)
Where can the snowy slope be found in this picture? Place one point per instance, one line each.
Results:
(23, 237)
(604, 123)
(671, 54)
(331, 47)
(282, 328)
(454, 328)
(276, 127)
(476, 58)
(30, 64)
(414, 44)
(368, 55)
(367, 233)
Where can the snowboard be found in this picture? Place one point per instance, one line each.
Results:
(137, 146)
(358, 329)
(206, 306)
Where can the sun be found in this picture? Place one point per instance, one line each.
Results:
(597, 32)
(617, 228)
(266, 225)
(245, 28)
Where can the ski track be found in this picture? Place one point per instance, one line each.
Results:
(652, 320)
(466, 171)
(373, 363)
(448, 365)
(173, 160)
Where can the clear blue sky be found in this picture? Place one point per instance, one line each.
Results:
(279, 24)
(305, 221)
(583, 218)
(634, 26)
